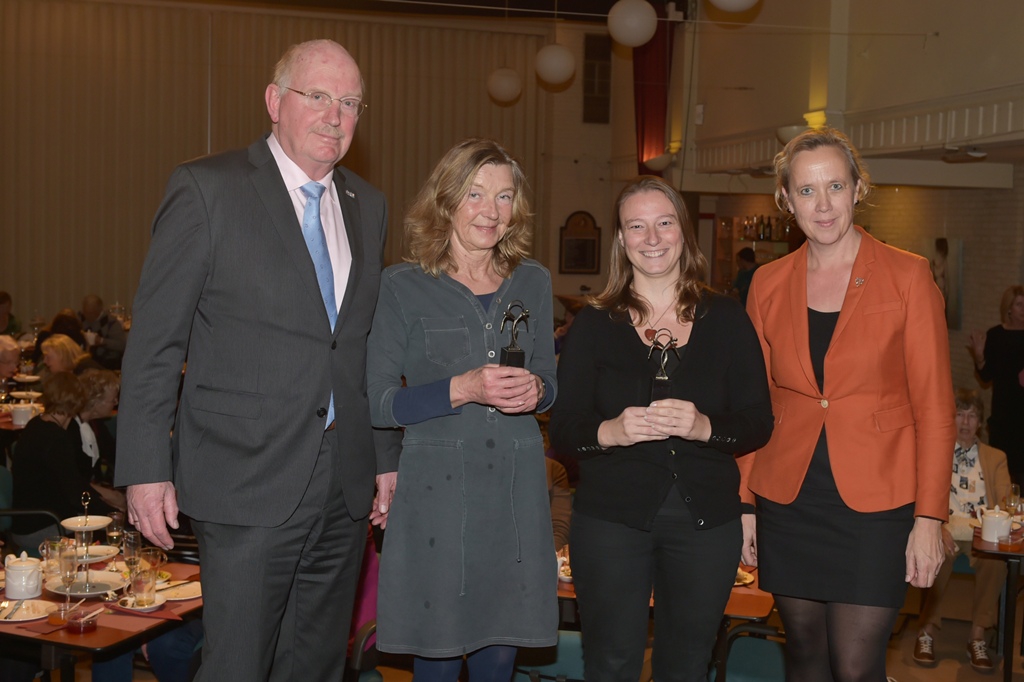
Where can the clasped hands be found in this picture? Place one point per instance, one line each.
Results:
(658, 421)
(511, 390)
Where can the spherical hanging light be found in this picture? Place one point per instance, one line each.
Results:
(555, 64)
(733, 5)
(504, 85)
(632, 22)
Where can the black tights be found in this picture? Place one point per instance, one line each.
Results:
(831, 641)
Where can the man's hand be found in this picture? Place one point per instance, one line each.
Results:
(382, 501)
(152, 507)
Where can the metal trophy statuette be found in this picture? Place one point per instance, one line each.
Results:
(512, 355)
(661, 383)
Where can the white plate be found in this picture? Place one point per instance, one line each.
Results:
(26, 378)
(129, 603)
(79, 522)
(97, 553)
(192, 590)
(31, 609)
(100, 582)
(25, 395)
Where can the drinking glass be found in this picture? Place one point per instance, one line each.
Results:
(131, 546)
(152, 558)
(1013, 499)
(3, 390)
(68, 565)
(144, 586)
(49, 550)
(114, 531)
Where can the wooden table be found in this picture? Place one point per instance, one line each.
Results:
(116, 630)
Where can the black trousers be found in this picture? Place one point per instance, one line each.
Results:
(614, 569)
(278, 601)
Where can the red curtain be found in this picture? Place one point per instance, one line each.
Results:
(650, 92)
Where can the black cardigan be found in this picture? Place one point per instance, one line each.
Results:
(603, 368)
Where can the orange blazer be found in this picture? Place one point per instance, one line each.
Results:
(887, 407)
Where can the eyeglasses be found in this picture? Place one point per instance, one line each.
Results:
(321, 101)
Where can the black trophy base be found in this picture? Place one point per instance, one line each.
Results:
(661, 389)
(515, 357)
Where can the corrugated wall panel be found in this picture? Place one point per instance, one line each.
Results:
(103, 99)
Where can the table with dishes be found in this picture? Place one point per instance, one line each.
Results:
(20, 402)
(80, 598)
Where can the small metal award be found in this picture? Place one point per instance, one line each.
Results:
(661, 383)
(512, 355)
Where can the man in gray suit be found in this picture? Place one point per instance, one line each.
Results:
(269, 449)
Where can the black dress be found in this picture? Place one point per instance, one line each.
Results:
(1004, 363)
(817, 547)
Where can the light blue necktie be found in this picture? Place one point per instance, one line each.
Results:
(316, 242)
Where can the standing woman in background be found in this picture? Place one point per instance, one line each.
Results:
(999, 358)
(853, 486)
(657, 504)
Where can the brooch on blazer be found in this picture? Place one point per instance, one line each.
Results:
(857, 282)
(350, 193)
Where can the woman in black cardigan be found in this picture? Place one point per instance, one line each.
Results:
(657, 503)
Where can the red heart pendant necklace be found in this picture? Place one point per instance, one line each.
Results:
(651, 332)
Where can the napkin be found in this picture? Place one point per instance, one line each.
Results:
(42, 627)
(164, 612)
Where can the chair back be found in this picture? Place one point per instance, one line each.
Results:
(754, 654)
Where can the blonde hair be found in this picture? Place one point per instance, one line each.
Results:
(1006, 302)
(810, 140)
(428, 225)
(96, 383)
(618, 295)
(66, 349)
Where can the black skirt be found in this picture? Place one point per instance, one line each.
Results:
(818, 548)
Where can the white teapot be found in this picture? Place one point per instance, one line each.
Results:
(995, 523)
(24, 576)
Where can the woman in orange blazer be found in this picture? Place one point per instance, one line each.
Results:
(853, 486)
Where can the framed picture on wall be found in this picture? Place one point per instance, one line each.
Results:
(579, 245)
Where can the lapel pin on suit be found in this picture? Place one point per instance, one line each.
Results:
(350, 193)
(857, 282)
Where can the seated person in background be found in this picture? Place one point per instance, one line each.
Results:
(9, 324)
(65, 322)
(981, 479)
(62, 354)
(44, 464)
(746, 263)
(9, 356)
(561, 501)
(102, 388)
(104, 333)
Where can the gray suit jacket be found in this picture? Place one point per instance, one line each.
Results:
(229, 284)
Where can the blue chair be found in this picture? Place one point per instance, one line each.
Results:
(751, 656)
(562, 662)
